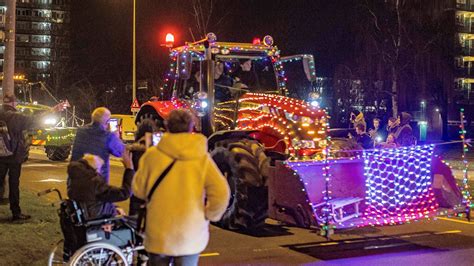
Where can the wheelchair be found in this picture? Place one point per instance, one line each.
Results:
(87, 243)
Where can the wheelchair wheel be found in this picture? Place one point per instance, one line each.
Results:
(56, 256)
(98, 254)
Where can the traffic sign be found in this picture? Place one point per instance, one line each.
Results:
(135, 106)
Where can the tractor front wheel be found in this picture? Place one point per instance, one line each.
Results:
(245, 166)
(57, 153)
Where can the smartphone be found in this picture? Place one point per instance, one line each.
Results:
(113, 124)
(156, 138)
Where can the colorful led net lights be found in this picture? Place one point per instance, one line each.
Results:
(398, 185)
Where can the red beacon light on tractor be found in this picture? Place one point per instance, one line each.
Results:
(169, 39)
(256, 41)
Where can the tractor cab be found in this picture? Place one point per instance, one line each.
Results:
(243, 87)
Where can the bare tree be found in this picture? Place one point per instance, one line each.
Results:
(208, 15)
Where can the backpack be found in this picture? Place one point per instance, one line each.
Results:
(6, 146)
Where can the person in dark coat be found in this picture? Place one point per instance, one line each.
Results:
(96, 139)
(392, 125)
(145, 130)
(94, 196)
(362, 137)
(88, 188)
(17, 123)
(245, 75)
(222, 81)
(404, 134)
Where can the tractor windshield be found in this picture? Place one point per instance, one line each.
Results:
(233, 75)
(255, 74)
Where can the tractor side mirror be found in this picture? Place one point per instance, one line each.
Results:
(309, 68)
(184, 62)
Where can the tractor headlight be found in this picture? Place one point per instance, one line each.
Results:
(313, 99)
(200, 103)
(50, 121)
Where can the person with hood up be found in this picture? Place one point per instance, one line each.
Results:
(192, 193)
(96, 198)
(404, 134)
(86, 186)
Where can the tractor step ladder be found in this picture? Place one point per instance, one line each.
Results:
(337, 208)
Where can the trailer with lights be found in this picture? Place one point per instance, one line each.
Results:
(52, 133)
(276, 151)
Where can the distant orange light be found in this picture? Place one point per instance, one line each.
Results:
(169, 38)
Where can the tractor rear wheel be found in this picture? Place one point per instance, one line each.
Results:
(245, 166)
(57, 153)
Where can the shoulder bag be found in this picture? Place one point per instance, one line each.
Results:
(141, 220)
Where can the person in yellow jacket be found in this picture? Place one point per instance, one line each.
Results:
(192, 193)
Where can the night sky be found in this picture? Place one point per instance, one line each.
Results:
(101, 44)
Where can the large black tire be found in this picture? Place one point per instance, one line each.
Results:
(58, 153)
(245, 165)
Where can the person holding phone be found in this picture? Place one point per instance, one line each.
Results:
(97, 139)
(143, 140)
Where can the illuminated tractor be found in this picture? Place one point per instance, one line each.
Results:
(51, 133)
(238, 90)
(57, 139)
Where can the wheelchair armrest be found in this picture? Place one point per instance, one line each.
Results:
(103, 221)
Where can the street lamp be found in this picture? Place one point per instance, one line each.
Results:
(134, 53)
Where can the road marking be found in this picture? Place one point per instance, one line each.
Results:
(448, 232)
(209, 254)
(455, 220)
(51, 180)
(388, 246)
(39, 165)
(379, 238)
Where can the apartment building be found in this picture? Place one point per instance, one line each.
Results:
(42, 37)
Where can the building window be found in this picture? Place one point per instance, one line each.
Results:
(21, 51)
(41, 38)
(23, 25)
(20, 64)
(44, 13)
(22, 38)
(41, 51)
(40, 64)
(41, 26)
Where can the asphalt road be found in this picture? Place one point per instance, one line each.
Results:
(427, 242)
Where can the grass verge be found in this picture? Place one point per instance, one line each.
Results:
(29, 242)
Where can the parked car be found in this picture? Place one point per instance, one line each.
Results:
(125, 125)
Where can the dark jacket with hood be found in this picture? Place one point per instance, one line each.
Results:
(17, 123)
(91, 191)
(404, 134)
